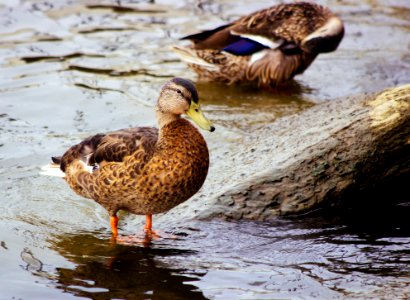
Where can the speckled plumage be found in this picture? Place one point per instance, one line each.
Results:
(143, 170)
(289, 36)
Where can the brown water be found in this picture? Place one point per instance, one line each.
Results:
(69, 70)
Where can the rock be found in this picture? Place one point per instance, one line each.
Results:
(302, 161)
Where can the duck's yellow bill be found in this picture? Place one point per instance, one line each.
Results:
(195, 113)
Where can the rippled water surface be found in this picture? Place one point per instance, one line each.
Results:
(69, 69)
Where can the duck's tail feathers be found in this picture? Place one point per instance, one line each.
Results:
(56, 159)
(52, 169)
(189, 55)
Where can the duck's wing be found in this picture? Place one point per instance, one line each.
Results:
(111, 147)
(226, 38)
(115, 146)
(241, 37)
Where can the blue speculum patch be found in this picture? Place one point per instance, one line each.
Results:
(244, 46)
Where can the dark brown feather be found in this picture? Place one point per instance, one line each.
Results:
(114, 146)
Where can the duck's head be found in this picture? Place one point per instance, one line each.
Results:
(179, 96)
(326, 38)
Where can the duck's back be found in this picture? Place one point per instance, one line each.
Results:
(289, 21)
(111, 147)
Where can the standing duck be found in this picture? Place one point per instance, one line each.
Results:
(266, 48)
(144, 170)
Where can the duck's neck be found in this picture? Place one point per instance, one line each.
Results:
(165, 118)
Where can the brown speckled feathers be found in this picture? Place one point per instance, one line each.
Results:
(111, 147)
(136, 172)
(144, 170)
(265, 48)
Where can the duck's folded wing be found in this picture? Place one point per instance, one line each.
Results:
(235, 39)
(110, 147)
(117, 145)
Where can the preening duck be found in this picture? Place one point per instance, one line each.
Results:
(144, 170)
(266, 48)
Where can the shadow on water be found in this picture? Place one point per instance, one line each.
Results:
(375, 213)
(105, 270)
(376, 231)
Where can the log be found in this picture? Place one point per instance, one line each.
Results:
(297, 164)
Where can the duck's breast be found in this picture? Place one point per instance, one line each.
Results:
(176, 171)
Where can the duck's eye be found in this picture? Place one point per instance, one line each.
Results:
(179, 92)
(196, 109)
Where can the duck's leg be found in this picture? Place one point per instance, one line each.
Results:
(114, 225)
(148, 224)
(150, 233)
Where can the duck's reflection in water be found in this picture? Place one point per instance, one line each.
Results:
(105, 270)
(294, 92)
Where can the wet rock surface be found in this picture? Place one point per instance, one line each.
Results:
(73, 68)
(334, 149)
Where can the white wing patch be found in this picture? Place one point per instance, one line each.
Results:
(261, 40)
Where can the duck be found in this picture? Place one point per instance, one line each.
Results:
(266, 48)
(144, 170)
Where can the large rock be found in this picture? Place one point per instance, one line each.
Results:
(302, 161)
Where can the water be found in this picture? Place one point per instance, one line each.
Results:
(341, 255)
(69, 70)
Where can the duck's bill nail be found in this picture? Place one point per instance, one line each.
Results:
(195, 113)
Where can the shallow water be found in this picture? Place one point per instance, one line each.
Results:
(69, 70)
